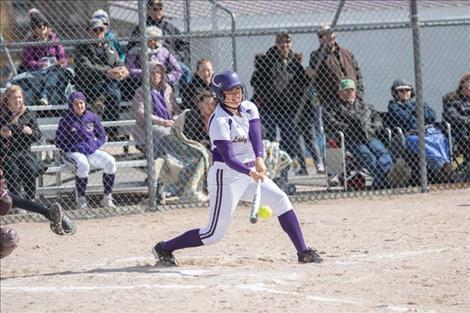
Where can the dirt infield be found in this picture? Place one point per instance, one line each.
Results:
(408, 253)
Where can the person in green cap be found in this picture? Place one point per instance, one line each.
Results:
(360, 125)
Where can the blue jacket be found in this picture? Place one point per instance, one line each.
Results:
(83, 134)
(403, 115)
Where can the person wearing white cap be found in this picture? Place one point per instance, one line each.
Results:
(109, 34)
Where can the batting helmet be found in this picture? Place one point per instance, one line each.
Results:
(224, 81)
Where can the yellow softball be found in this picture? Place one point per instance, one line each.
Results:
(265, 211)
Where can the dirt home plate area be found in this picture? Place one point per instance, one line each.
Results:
(406, 253)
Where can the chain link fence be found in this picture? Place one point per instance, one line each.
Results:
(337, 100)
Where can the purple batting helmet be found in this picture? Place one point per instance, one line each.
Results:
(224, 81)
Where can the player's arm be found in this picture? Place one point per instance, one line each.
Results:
(256, 140)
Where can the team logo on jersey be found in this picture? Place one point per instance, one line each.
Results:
(240, 139)
(90, 127)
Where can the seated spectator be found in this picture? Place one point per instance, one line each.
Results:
(98, 73)
(402, 114)
(156, 53)
(47, 63)
(178, 162)
(179, 47)
(196, 124)
(80, 135)
(359, 123)
(456, 107)
(18, 131)
(201, 82)
(110, 35)
(163, 105)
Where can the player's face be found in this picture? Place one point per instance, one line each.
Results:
(15, 101)
(79, 106)
(205, 71)
(233, 97)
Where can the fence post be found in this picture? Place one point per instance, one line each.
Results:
(147, 105)
(419, 94)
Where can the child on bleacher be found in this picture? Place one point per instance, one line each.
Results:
(80, 135)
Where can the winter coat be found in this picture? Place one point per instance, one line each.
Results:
(403, 115)
(285, 81)
(161, 55)
(84, 134)
(457, 113)
(33, 55)
(92, 62)
(19, 142)
(358, 121)
(334, 66)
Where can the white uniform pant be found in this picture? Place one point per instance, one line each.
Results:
(82, 164)
(226, 188)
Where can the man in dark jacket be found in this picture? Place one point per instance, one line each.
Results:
(177, 46)
(98, 73)
(335, 64)
(284, 82)
(359, 123)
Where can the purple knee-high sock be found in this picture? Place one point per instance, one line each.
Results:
(290, 224)
(108, 183)
(80, 184)
(189, 239)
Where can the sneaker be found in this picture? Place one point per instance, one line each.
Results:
(60, 223)
(165, 258)
(44, 101)
(320, 168)
(107, 202)
(309, 256)
(82, 203)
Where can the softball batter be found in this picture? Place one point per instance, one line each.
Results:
(238, 163)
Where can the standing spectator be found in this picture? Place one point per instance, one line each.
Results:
(257, 81)
(46, 62)
(18, 131)
(360, 125)
(110, 35)
(402, 113)
(178, 46)
(285, 80)
(335, 64)
(156, 53)
(98, 73)
(201, 82)
(457, 112)
(80, 135)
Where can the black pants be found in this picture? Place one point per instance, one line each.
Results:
(17, 178)
(30, 206)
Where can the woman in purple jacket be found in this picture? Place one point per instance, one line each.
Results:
(46, 62)
(80, 135)
(156, 53)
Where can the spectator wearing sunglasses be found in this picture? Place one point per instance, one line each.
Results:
(99, 71)
(110, 35)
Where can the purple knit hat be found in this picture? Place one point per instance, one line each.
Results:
(76, 95)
